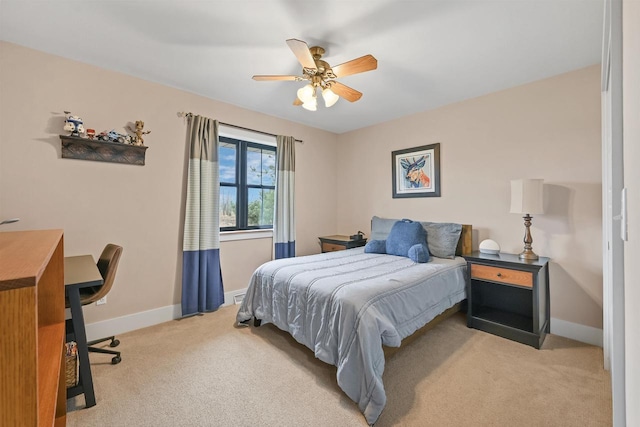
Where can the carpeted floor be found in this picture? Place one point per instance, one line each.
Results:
(204, 371)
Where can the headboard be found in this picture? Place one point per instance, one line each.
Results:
(464, 244)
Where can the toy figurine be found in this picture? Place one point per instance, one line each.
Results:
(73, 124)
(137, 139)
(113, 136)
(91, 133)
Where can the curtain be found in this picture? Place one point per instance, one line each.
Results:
(284, 224)
(202, 288)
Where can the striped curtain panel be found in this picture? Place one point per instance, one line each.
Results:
(284, 224)
(202, 289)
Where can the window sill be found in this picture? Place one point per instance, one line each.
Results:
(227, 236)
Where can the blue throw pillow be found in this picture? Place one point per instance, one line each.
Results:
(403, 235)
(419, 253)
(376, 247)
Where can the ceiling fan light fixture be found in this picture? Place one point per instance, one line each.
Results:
(311, 105)
(306, 93)
(321, 75)
(329, 97)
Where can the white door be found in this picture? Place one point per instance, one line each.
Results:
(612, 184)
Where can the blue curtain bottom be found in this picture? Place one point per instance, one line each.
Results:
(285, 250)
(202, 288)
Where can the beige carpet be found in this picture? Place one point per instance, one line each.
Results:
(203, 371)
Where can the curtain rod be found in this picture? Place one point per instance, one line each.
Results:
(184, 114)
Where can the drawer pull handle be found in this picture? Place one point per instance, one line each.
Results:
(499, 275)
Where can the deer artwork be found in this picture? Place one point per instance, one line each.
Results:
(414, 173)
(137, 139)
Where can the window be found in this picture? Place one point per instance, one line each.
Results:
(247, 184)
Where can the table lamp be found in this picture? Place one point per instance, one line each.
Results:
(526, 198)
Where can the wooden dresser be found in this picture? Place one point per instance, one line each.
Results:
(32, 329)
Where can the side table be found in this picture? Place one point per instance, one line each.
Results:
(339, 242)
(508, 296)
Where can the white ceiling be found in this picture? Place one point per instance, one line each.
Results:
(430, 53)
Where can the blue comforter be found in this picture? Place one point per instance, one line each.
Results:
(345, 305)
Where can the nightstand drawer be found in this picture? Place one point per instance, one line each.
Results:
(332, 247)
(502, 275)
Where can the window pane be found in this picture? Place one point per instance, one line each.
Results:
(254, 166)
(268, 167)
(260, 166)
(227, 157)
(228, 198)
(260, 209)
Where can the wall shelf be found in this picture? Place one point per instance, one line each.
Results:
(74, 147)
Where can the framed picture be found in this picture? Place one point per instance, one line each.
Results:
(416, 171)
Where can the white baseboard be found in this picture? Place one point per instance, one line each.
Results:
(143, 319)
(577, 332)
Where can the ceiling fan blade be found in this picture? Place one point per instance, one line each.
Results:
(264, 78)
(359, 65)
(346, 92)
(297, 102)
(301, 50)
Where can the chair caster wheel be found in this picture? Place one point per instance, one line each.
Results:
(116, 360)
(114, 343)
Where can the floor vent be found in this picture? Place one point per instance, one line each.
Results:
(237, 299)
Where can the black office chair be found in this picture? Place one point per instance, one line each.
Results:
(107, 264)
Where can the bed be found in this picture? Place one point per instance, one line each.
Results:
(346, 305)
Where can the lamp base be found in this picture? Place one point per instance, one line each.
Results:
(528, 254)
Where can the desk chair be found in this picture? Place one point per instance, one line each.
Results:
(107, 264)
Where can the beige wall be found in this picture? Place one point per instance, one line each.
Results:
(137, 207)
(631, 132)
(548, 129)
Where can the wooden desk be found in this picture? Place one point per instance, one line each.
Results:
(80, 272)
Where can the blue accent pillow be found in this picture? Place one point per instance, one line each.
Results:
(419, 253)
(376, 247)
(403, 235)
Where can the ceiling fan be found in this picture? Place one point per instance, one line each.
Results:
(322, 76)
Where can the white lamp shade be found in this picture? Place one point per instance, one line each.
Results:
(330, 97)
(306, 93)
(527, 196)
(311, 105)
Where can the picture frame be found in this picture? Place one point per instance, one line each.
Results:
(416, 171)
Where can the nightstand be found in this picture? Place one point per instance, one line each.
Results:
(508, 296)
(339, 243)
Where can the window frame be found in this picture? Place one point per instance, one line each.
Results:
(241, 185)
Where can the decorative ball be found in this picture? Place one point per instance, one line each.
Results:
(489, 247)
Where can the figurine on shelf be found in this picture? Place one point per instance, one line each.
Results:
(91, 133)
(73, 124)
(113, 136)
(137, 139)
